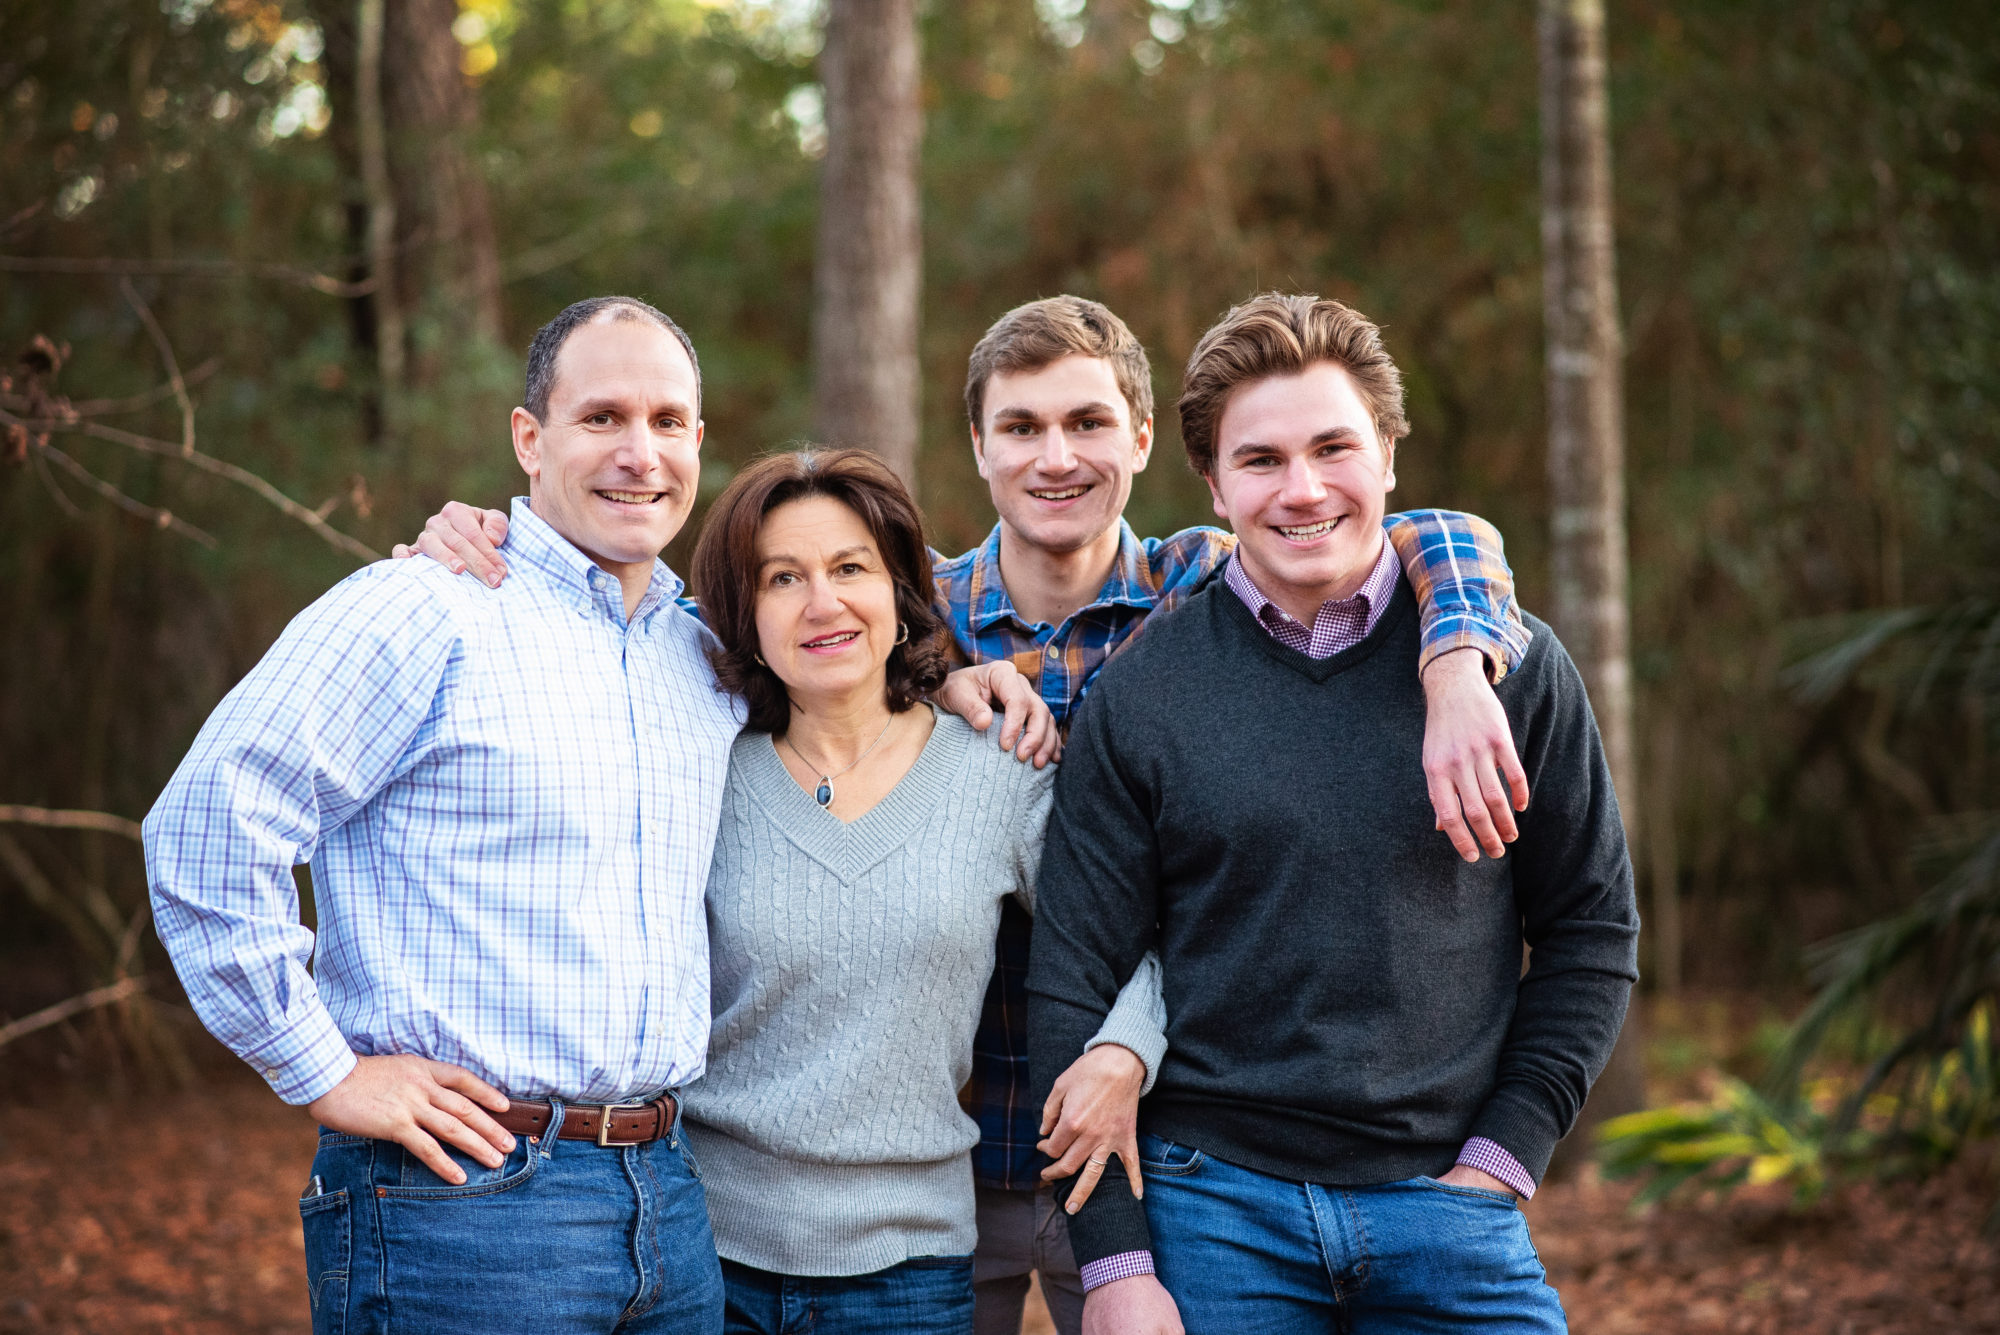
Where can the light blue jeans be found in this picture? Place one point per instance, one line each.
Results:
(564, 1238)
(1243, 1253)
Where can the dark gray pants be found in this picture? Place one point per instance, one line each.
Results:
(1020, 1232)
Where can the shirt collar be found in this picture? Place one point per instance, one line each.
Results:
(581, 581)
(1128, 586)
(1374, 593)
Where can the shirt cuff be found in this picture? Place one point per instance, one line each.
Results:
(1488, 1157)
(305, 1061)
(1122, 1266)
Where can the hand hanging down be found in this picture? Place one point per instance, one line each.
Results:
(1091, 1114)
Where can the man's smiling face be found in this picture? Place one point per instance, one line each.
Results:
(615, 465)
(1058, 449)
(1302, 476)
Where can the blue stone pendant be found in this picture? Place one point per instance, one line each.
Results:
(824, 793)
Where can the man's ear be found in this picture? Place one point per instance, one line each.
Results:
(527, 441)
(978, 449)
(1389, 468)
(1142, 444)
(1215, 495)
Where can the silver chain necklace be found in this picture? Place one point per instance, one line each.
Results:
(824, 793)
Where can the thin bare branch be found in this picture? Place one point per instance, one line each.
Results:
(54, 488)
(243, 477)
(22, 215)
(53, 819)
(152, 514)
(109, 994)
(318, 282)
(172, 363)
(134, 402)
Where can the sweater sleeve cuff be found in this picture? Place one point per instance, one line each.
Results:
(1489, 1157)
(1122, 1266)
(1138, 1021)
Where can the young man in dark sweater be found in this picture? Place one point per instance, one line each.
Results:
(1360, 1081)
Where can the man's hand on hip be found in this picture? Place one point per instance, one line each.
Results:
(1137, 1305)
(1464, 1175)
(417, 1102)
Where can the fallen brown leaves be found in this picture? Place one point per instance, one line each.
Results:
(175, 1215)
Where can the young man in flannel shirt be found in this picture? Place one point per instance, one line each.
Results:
(1059, 399)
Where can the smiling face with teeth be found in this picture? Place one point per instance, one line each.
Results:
(613, 469)
(1058, 448)
(1302, 476)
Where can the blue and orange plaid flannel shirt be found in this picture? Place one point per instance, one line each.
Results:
(1457, 565)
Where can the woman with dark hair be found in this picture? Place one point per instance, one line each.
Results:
(866, 844)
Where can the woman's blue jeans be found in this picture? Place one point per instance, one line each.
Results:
(1243, 1253)
(564, 1237)
(931, 1295)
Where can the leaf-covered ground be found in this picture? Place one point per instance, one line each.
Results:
(175, 1215)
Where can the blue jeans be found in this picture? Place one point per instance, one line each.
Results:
(565, 1236)
(931, 1295)
(1243, 1253)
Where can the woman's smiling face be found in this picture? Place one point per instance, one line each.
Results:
(826, 603)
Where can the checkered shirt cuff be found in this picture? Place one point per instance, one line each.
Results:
(1488, 1157)
(1122, 1266)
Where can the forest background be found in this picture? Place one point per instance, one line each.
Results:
(1805, 205)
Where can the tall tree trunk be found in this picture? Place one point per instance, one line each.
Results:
(419, 217)
(869, 270)
(449, 256)
(372, 137)
(1587, 426)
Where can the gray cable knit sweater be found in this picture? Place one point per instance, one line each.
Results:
(849, 962)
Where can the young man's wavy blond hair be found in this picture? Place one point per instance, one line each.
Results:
(1281, 333)
(1040, 333)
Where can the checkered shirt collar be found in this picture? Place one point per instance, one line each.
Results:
(1374, 593)
(534, 544)
(1127, 587)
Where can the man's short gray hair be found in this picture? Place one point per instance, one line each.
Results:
(549, 340)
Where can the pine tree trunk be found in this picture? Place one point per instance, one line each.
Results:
(869, 270)
(448, 254)
(1586, 459)
(417, 207)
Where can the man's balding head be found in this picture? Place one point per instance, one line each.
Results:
(549, 339)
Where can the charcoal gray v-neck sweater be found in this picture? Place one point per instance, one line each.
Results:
(1344, 997)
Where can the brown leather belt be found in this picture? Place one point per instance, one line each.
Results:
(608, 1124)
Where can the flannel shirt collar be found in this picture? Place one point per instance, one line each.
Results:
(581, 581)
(1129, 585)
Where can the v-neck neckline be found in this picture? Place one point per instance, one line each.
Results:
(850, 848)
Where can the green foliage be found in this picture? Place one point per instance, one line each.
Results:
(1736, 1138)
(1829, 1130)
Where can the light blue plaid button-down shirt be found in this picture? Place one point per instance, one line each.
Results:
(508, 798)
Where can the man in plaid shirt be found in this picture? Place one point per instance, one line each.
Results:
(1059, 399)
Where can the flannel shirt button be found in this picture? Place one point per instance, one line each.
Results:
(1054, 652)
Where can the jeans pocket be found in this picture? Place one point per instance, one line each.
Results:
(329, 1236)
(1506, 1198)
(418, 1182)
(1166, 1158)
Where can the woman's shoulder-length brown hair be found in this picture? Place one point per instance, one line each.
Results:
(725, 571)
